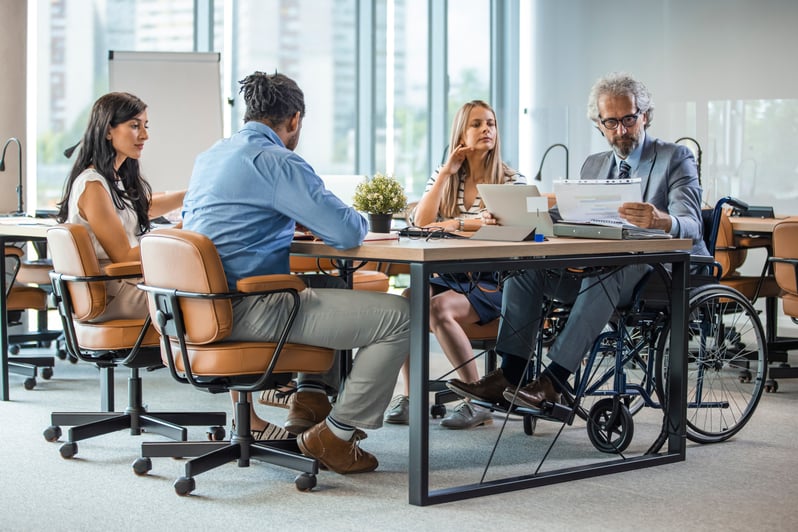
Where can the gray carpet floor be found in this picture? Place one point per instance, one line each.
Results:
(745, 483)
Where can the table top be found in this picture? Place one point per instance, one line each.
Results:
(420, 250)
(22, 226)
(743, 224)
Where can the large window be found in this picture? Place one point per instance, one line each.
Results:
(313, 42)
(73, 39)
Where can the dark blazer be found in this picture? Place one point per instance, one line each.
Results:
(669, 179)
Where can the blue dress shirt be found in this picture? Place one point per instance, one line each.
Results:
(247, 192)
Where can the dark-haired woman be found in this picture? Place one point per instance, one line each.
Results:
(107, 194)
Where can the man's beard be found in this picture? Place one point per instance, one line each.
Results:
(623, 146)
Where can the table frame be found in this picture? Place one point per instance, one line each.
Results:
(24, 231)
(528, 257)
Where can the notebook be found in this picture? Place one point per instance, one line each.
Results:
(589, 209)
(517, 206)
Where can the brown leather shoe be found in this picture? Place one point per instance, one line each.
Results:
(489, 388)
(533, 394)
(306, 409)
(343, 457)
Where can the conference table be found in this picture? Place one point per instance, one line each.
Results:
(441, 256)
(14, 229)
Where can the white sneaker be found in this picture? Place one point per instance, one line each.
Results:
(466, 416)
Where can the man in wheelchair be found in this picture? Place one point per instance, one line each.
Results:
(622, 110)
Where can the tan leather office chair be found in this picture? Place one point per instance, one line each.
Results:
(366, 277)
(192, 308)
(785, 270)
(19, 298)
(79, 290)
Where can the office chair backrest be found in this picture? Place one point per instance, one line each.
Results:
(719, 237)
(73, 253)
(185, 260)
(785, 246)
(12, 259)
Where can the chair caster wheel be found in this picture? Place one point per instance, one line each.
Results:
(437, 411)
(215, 433)
(68, 450)
(771, 386)
(305, 482)
(13, 349)
(61, 354)
(530, 423)
(30, 383)
(47, 373)
(52, 433)
(184, 486)
(142, 466)
(73, 360)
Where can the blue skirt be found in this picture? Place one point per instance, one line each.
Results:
(482, 290)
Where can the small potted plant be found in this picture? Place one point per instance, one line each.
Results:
(380, 197)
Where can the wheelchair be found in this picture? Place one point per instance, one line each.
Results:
(626, 369)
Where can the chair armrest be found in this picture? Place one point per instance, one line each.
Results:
(13, 251)
(119, 269)
(261, 283)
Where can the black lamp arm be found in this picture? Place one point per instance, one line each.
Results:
(3, 168)
(698, 154)
(543, 160)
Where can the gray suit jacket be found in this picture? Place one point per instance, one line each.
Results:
(669, 179)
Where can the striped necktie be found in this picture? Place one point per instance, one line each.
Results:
(623, 170)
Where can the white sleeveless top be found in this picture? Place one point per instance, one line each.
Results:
(126, 215)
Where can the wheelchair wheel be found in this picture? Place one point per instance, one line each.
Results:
(610, 426)
(724, 336)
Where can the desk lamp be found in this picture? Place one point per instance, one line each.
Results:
(563, 146)
(19, 212)
(698, 154)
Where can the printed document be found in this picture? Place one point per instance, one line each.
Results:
(595, 201)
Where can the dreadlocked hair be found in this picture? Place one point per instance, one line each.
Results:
(271, 98)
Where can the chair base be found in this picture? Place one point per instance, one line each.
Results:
(241, 448)
(29, 367)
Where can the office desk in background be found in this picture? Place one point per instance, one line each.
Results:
(14, 229)
(756, 226)
(451, 255)
(778, 346)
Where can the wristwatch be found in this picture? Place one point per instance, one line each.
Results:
(462, 224)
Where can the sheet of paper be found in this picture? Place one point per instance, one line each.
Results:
(594, 200)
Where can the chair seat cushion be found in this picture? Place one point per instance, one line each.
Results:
(114, 334)
(23, 297)
(790, 305)
(251, 358)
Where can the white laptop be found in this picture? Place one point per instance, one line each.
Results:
(518, 206)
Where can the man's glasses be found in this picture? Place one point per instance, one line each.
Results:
(427, 233)
(627, 121)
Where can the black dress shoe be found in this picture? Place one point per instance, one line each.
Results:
(534, 394)
(488, 389)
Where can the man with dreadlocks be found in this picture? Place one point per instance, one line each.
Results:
(247, 193)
